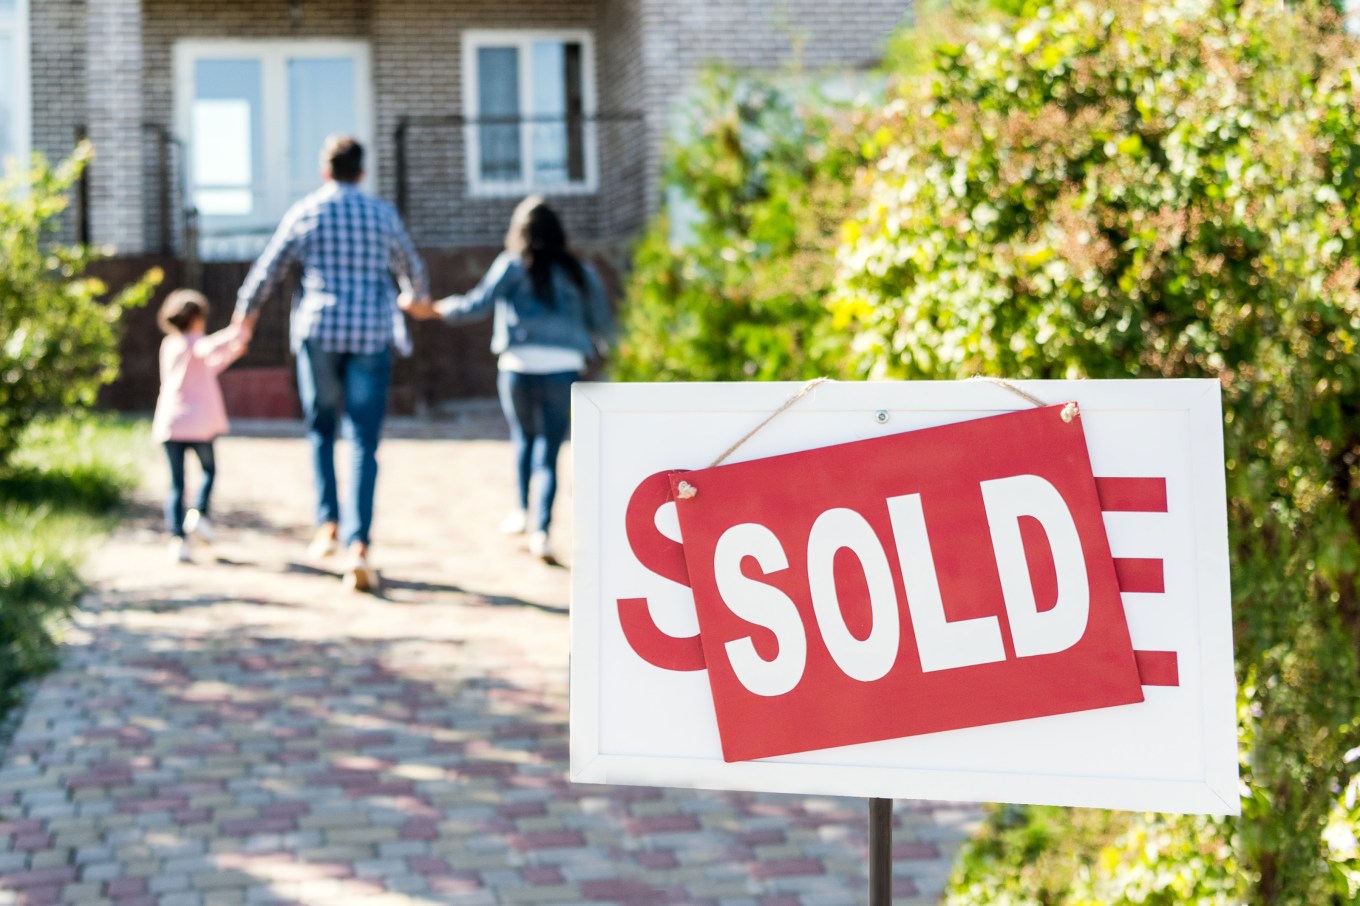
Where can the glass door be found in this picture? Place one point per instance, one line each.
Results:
(254, 115)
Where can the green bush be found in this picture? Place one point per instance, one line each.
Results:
(739, 292)
(59, 337)
(39, 585)
(1160, 189)
(60, 490)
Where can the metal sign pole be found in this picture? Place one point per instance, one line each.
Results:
(880, 852)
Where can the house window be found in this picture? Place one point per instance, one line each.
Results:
(253, 115)
(530, 100)
(14, 84)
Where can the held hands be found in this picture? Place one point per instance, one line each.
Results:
(245, 327)
(422, 309)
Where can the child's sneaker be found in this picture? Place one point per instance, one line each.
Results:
(517, 523)
(179, 551)
(538, 546)
(199, 526)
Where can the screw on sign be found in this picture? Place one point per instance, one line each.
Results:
(932, 580)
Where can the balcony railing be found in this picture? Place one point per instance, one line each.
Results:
(604, 153)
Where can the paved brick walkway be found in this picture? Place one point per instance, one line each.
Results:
(242, 730)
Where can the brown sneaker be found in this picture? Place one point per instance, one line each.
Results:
(359, 576)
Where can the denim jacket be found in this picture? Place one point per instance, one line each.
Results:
(579, 319)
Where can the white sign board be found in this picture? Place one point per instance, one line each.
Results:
(641, 716)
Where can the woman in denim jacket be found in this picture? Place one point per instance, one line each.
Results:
(550, 317)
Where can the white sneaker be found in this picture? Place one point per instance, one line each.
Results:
(179, 551)
(324, 543)
(538, 546)
(359, 576)
(517, 523)
(199, 526)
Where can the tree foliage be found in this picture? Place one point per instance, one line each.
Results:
(1160, 189)
(731, 283)
(58, 333)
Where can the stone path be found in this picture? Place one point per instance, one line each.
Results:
(242, 730)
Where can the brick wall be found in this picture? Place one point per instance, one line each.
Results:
(627, 182)
(797, 36)
(114, 93)
(57, 36)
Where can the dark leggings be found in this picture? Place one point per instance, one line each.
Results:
(174, 504)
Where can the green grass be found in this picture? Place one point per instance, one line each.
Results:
(61, 491)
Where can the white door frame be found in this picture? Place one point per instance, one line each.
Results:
(23, 88)
(522, 39)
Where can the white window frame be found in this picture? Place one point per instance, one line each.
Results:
(273, 54)
(18, 27)
(523, 39)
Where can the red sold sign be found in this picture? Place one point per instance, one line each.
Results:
(938, 579)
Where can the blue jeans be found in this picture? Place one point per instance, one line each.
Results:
(538, 408)
(353, 384)
(175, 451)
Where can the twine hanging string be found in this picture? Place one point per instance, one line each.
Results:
(1069, 412)
(685, 490)
(807, 388)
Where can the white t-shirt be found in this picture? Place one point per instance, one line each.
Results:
(530, 359)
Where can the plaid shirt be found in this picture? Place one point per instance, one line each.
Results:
(350, 246)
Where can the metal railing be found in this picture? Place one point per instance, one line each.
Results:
(176, 228)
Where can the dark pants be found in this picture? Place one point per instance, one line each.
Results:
(538, 408)
(355, 384)
(174, 504)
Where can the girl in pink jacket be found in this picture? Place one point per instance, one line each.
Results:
(189, 412)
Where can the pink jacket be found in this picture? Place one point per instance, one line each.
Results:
(190, 405)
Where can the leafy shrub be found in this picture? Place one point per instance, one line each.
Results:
(39, 584)
(60, 340)
(60, 490)
(1160, 189)
(740, 295)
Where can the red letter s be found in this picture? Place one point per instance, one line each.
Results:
(665, 558)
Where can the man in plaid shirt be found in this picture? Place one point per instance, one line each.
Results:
(344, 325)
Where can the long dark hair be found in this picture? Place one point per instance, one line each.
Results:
(537, 236)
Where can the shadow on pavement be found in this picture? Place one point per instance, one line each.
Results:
(325, 771)
(113, 602)
(475, 598)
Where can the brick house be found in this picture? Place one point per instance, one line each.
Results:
(207, 115)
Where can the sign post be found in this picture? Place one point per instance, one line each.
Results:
(906, 590)
(880, 852)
